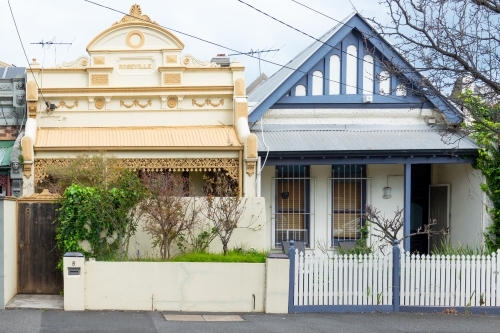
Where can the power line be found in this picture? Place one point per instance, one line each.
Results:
(256, 52)
(248, 55)
(302, 32)
(20, 40)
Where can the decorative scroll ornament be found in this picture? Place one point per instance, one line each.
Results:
(5, 87)
(208, 102)
(135, 103)
(135, 15)
(231, 165)
(190, 61)
(250, 167)
(63, 103)
(81, 62)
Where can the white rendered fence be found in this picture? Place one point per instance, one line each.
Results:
(443, 280)
(343, 279)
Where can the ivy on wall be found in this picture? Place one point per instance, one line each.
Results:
(486, 132)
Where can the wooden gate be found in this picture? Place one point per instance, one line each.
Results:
(37, 253)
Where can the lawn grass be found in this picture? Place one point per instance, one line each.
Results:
(231, 256)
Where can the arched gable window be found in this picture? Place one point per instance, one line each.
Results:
(334, 75)
(385, 83)
(317, 83)
(401, 90)
(368, 75)
(300, 90)
(352, 70)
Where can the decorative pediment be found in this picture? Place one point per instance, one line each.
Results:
(135, 15)
(135, 31)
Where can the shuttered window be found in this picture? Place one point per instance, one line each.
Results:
(348, 201)
(292, 203)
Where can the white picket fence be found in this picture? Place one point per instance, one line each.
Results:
(440, 280)
(343, 279)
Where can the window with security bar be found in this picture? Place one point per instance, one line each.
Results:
(292, 213)
(348, 202)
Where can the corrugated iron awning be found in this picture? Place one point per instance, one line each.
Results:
(138, 138)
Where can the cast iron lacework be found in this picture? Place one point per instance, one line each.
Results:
(231, 165)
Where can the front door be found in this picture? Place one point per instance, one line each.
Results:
(37, 252)
(439, 210)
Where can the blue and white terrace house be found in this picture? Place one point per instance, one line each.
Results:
(337, 131)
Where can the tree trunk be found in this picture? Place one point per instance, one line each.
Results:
(224, 247)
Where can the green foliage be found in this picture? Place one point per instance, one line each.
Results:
(485, 131)
(361, 245)
(446, 249)
(197, 239)
(230, 256)
(103, 215)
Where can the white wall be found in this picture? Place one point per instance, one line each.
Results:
(173, 286)
(321, 194)
(468, 217)
(10, 249)
(253, 231)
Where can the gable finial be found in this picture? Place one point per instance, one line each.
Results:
(135, 14)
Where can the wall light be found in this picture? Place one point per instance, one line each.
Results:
(387, 192)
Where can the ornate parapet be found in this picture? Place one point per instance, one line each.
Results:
(44, 196)
(230, 165)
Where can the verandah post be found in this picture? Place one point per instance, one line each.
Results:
(396, 263)
(291, 296)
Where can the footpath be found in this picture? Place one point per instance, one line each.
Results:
(57, 321)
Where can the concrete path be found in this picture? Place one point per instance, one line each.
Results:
(21, 301)
(53, 321)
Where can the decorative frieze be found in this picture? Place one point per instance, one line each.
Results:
(230, 165)
(68, 106)
(136, 103)
(207, 102)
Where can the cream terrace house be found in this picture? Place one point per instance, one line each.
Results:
(138, 97)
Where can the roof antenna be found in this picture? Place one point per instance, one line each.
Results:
(258, 52)
(53, 42)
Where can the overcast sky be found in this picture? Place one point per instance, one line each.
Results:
(226, 22)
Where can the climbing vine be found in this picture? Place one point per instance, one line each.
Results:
(98, 219)
(485, 132)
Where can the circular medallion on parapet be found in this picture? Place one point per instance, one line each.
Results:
(172, 103)
(84, 62)
(99, 103)
(135, 39)
(186, 61)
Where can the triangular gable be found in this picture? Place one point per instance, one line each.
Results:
(278, 85)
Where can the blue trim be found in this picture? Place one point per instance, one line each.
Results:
(462, 309)
(291, 277)
(284, 160)
(382, 46)
(407, 205)
(340, 308)
(396, 252)
(296, 75)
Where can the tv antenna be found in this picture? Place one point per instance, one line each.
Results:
(53, 42)
(258, 52)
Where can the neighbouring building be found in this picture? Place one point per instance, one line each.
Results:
(12, 119)
(337, 131)
(139, 98)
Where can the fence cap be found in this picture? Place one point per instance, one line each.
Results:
(73, 255)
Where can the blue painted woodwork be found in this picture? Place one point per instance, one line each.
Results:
(330, 160)
(350, 33)
(407, 205)
(396, 252)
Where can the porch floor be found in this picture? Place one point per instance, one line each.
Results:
(25, 301)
